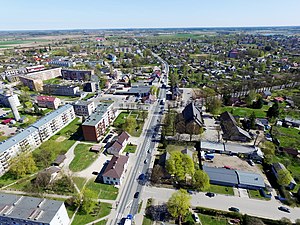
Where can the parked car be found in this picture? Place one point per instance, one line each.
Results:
(190, 192)
(95, 173)
(146, 161)
(234, 209)
(284, 209)
(210, 194)
(196, 218)
(142, 176)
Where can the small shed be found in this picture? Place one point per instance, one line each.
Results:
(59, 161)
(95, 148)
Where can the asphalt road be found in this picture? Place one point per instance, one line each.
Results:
(255, 207)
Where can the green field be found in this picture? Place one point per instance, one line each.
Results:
(103, 191)
(218, 189)
(212, 220)
(79, 181)
(100, 211)
(83, 157)
(246, 112)
(102, 222)
(10, 43)
(288, 137)
(130, 148)
(53, 81)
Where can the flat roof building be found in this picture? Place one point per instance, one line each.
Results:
(84, 108)
(16, 209)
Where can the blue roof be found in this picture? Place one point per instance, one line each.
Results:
(51, 116)
(17, 138)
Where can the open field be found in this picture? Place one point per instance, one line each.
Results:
(246, 112)
(218, 189)
(130, 148)
(83, 157)
(212, 220)
(288, 137)
(103, 191)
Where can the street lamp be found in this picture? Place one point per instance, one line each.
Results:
(257, 134)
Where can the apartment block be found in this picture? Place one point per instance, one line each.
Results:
(34, 135)
(55, 121)
(24, 210)
(48, 102)
(27, 140)
(63, 90)
(62, 63)
(77, 74)
(84, 108)
(33, 84)
(96, 124)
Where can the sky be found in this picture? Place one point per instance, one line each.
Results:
(97, 14)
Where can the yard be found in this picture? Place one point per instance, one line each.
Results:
(137, 116)
(218, 189)
(212, 220)
(103, 191)
(83, 157)
(256, 194)
(288, 137)
(101, 210)
(246, 112)
(79, 181)
(53, 81)
(130, 148)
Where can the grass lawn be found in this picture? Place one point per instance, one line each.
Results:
(2, 138)
(79, 181)
(103, 191)
(102, 222)
(243, 111)
(83, 157)
(53, 81)
(172, 148)
(212, 220)
(88, 96)
(147, 221)
(100, 211)
(288, 137)
(218, 189)
(136, 115)
(256, 194)
(23, 184)
(7, 179)
(130, 148)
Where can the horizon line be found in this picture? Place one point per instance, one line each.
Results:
(139, 28)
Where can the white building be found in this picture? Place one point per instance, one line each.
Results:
(4, 100)
(34, 135)
(25, 210)
(84, 108)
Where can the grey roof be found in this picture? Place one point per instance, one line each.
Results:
(251, 179)
(236, 148)
(221, 174)
(22, 207)
(139, 90)
(97, 115)
(192, 113)
(80, 102)
(209, 145)
(51, 116)
(17, 138)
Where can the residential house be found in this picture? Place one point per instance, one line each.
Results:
(16, 209)
(115, 170)
(231, 130)
(118, 144)
(48, 102)
(276, 167)
(192, 114)
(266, 94)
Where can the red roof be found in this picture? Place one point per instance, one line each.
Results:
(6, 121)
(46, 98)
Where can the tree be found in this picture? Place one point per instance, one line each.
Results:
(178, 205)
(157, 174)
(192, 128)
(180, 166)
(258, 104)
(130, 124)
(201, 180)
(88, 201)
(252, 120)
(268, 148)
(250, 98)
(273, 111)
(22, 165)
(284, 177)
(213, 105)
(249, 220)
(268, 159)
(227, 99)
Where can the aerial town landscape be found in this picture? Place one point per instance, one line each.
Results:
(150, 126)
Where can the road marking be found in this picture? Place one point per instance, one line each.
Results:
(129, 204)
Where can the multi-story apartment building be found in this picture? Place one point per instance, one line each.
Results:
(4, 99)
(24, 210)
(62, 63)
(95, 125)
(27, 140)
(91, 86)
(84, 108)
(35, 80)
(63, 90)
(34, 135)
(77, 74)
(55, 121)
(48, 102)
(12, 75)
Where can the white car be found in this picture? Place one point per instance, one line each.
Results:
(196, 218)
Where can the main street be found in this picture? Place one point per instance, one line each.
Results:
(254, 207)
(130, 193)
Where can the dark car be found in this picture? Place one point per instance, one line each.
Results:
(234, 209)
(95, 173)
(136, 195)
(284, 209)
(142, 176)
(190, 192)
(210, 194)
